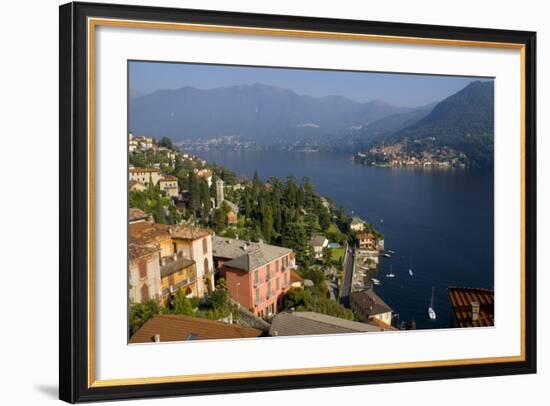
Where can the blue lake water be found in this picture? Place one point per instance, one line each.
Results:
(438, 222)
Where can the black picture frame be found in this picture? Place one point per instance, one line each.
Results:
(73, 254)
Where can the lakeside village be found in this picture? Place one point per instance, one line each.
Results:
(413, 153)
(214, 256)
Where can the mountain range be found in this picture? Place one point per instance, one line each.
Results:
(260, 112)
(272, 115)
(464, 121)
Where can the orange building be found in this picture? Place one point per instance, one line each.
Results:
(366, 241)
(167, 258)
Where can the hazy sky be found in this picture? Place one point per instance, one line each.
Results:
(399, 89)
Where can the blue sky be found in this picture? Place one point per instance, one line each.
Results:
(399, 89)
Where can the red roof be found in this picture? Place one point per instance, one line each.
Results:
(172, 327)
(461, 301)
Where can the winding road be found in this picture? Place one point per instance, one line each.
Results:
(348, 276)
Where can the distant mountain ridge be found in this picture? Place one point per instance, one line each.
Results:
(262, 112)
(463, 121)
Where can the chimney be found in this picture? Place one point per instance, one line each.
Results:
(157, 338)
(175, 256)
(475, 310)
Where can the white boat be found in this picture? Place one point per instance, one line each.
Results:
(381, 220)
(391, 252)
(431, 311)
(386, 255)
(375, 281)
(410, 272)
(391, 274)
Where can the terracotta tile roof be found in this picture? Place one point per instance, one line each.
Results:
(168, 178)
(309, 323)
(173, 327)
(461, 301)
(133, 183)
(139, 170)
(147, 233)
(138, 251)
(135, 214)
(188, 232)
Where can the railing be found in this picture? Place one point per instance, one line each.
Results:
(173, 288)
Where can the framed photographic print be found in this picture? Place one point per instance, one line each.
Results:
(259, 202)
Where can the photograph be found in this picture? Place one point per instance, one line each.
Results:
(266, 202)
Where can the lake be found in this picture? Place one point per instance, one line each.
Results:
(438, 222)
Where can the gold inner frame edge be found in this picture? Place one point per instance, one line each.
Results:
(94, 22)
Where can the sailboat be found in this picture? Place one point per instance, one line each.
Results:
(391, 274)
(431, 311)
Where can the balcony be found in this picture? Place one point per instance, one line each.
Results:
(176, 286)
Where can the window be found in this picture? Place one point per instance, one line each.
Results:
(206, 267)
(257, 295)
(277, 266)
(144, 293)
(142, 265)
(278, 283)
(205, 246)
(256, 281)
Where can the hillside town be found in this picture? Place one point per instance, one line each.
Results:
(413, 153)
(216, 256)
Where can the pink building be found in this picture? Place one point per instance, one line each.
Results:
(257, 274)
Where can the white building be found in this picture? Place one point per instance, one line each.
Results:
(145, 175)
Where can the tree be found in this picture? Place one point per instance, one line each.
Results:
(295, 237)
(219, 220)
(159, 214)
(166, 142)
(181, 304)
(267, 223)
(205, 202)
(324, 219)
(140, 313)
(327, 256)
(294, 298)
(194, 193)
